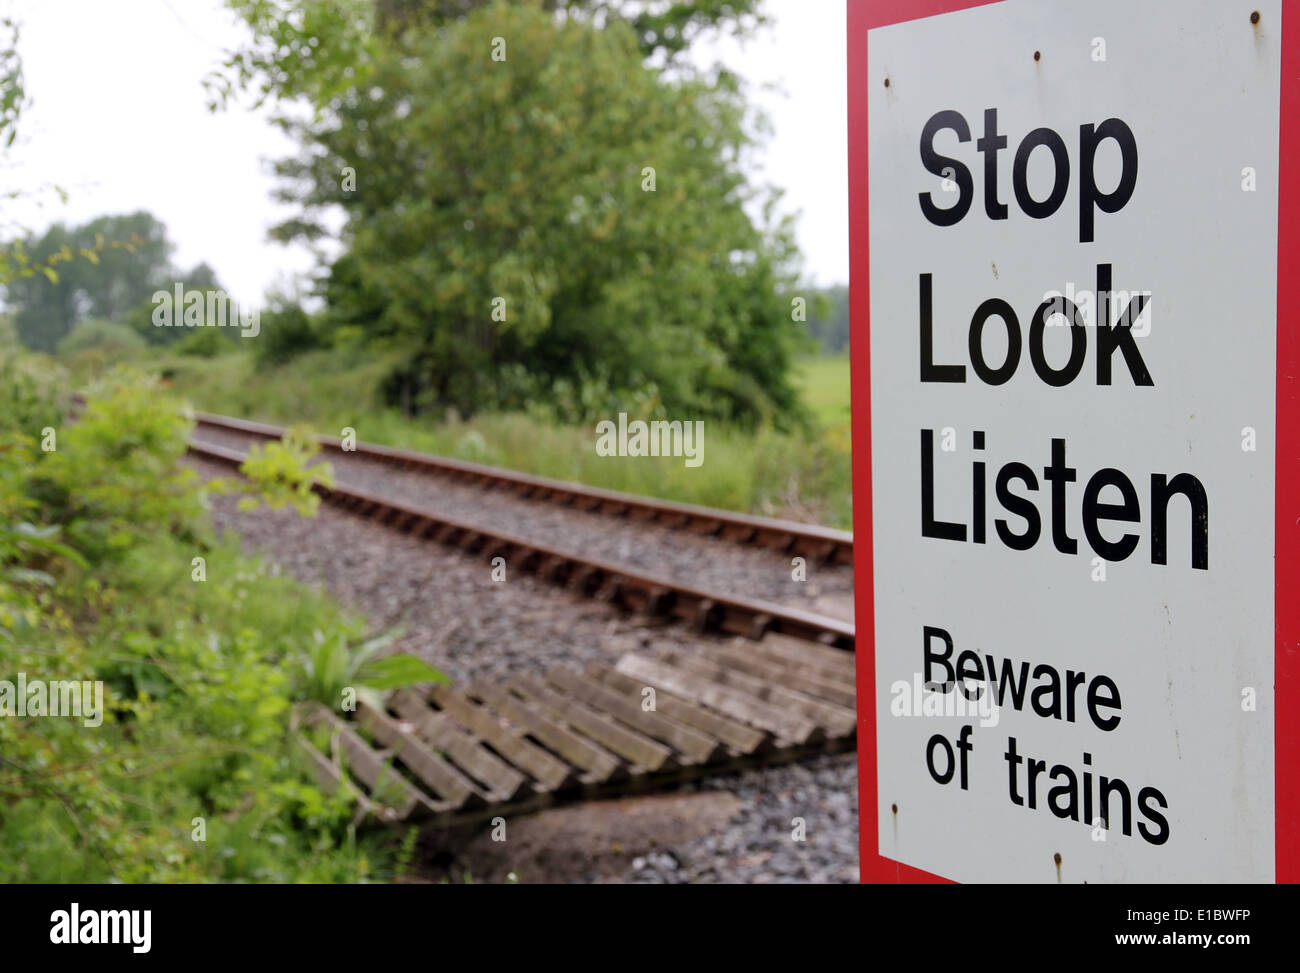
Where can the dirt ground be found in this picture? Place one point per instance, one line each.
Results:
(589, 842)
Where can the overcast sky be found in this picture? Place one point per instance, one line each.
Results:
(119, 120)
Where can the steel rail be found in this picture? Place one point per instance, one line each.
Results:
(812, 541)
(657, 597)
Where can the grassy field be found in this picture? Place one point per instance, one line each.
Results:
(800, 476)
(824, 383)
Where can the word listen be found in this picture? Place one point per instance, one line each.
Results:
(1015, 482)
(1109, 496)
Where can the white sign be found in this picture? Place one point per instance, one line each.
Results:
(1073, 343)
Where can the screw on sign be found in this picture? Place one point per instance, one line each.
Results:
(1000, 151)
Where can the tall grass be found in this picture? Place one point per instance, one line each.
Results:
(803, 477)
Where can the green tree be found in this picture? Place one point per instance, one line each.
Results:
(568, 224)
(106, 336)
(13, 97)
(104, 286)
(13, 94)
(114, 281)
(17, 266)
(318, 49)
(201, 278)
(660, 28)
(828, 319)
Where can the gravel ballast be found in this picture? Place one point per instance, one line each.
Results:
(456, 617)
(676, 555)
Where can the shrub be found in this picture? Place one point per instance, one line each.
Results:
(205, 343)
(191, 774)
(286, 332)
(108, 337)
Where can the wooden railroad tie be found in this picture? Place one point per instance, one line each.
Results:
(513, 746)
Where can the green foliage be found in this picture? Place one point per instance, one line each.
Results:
(105, 269)
(13, 94)
(204, 343)
(660, 28)
(286, 331)
(828, 319)
(824, 383)
(281, 472)
(107, 337)
(672, 28)
(96, 546)
(315, 386)
(333, 665)
(125, 428)
(185, 772)
(140, 317)
(33, 393)
(318, 49)
(299, 48)
(502, 235)
(804, 475)
(17, 266)
(104, 285)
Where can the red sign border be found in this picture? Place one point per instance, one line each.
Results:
(864, 15)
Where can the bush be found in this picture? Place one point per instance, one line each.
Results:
(191, 774)
(33, 393)
(205, 343)
(108, 337)
(506, 241)
(286, 333)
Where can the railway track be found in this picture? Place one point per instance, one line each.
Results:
(816, 543)
(782, 689)
(457, 756)
(655, 597)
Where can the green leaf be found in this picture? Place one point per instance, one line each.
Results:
(26, 575)
(398, 671)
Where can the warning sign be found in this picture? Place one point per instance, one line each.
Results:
(1075, 436)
